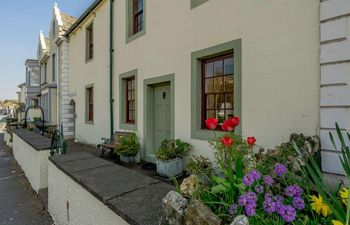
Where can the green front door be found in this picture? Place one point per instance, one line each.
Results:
(161, 114)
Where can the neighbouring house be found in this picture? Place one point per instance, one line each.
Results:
(53, 58)
(21, 94)
(175, 63)
(32, 82)
(335, 77)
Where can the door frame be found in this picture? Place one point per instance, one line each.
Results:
(148, 105)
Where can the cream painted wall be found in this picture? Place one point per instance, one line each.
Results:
(280, 61)
(94, 72)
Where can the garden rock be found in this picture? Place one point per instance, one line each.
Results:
(198, 213)
(240, 220)
(174, 205)
(188, 186)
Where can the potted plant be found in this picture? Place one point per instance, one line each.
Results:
(127, 148)
(170, 156)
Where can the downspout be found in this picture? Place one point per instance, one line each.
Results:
(111, 100)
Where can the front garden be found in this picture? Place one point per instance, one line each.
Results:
(281, 186)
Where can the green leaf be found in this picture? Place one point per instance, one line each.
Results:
(218, 189)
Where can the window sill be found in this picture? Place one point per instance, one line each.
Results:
(135, 36)
(89, 60)
(128, 126)
(89, 122)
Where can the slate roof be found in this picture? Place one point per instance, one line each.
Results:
(67, 20)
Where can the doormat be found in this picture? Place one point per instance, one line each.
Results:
(149, 166)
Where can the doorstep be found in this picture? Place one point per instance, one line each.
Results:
(133, 196)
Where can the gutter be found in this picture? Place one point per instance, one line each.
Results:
(82, 17)
(111, 50)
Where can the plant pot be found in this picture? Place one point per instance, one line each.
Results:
(170, 168)
(127, 159)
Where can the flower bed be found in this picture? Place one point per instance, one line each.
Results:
(281, 187)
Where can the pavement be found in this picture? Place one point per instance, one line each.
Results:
(19, 204)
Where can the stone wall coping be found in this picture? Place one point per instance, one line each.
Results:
(133, 196)
(38, 142)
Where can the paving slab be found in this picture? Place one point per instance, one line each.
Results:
(110, 181)
(35, 140)
(133, 196)
(62, 159)
(138, 207)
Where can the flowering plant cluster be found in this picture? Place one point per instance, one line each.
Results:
(264, 196)
(271, 194)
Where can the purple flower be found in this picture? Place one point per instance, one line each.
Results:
(298, 191)
(293, 191)
(256, 175)
(233, 209)
(249, 210)
(248, 180)
(269, 205)
(289, 191)
(259, 189)
(251, 195)
(288, 213)
(268, 180)
(242, 200)
(298, 203)
(280, 170)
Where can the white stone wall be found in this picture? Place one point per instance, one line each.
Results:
(34, 163)
(335, 77)
(70, 204)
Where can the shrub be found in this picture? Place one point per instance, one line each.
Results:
(172, 149)
(128, 145)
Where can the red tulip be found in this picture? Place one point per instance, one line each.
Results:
(211, 123)
(228, 125)
(251, 141)
(235, 121)
(227, 141)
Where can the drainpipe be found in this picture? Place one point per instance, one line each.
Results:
(111, 100)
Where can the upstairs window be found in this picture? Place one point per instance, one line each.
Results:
(137, 16)
(53, 67)
(90, 104)
(53, 28)
(217, 88)
(45, 73)
(135, 19)
(130, 100)
(89, 42)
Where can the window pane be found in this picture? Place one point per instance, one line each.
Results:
(218, 85)
(211, 113)
(220, 100)
(229, 99)
(140, 6)
(228, 66)
(218, 68)
(129, 95)
(229, 84)
(209, 87)
(132, 105)
(211, 102)
(209, 70)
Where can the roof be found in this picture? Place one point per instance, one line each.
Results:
(67, 20)
(83, 16)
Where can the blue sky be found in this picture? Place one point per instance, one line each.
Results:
(20, 24)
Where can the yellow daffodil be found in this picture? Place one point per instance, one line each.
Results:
(337, 222)
(319, 206)
(344, 194)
